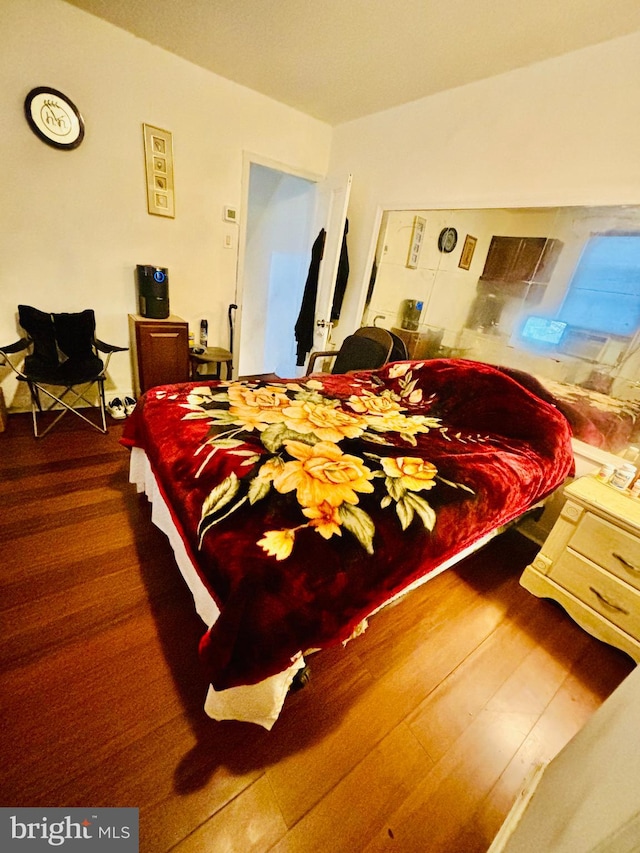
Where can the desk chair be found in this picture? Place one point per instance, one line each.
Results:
(399, 351)
(368, 348)
(64, 355)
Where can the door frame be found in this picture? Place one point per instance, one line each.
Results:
(250, 158)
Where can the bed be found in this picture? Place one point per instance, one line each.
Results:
(298, 508)
(601, 420)
(596, 418)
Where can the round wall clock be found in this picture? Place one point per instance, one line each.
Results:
(54, 118)
(447, 239)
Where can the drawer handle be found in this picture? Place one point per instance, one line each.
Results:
(608, 603)
(626, 563)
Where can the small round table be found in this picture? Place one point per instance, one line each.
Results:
(211, 355)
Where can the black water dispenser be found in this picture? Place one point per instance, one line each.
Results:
(409, 314)
(153, 291)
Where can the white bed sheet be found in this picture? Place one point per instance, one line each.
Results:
(255, 703)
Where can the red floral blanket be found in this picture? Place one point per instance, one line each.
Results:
(305, 504)
(595, 418)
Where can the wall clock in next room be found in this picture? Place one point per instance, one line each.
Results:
(447, 239)
(54, 118)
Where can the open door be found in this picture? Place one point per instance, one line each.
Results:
(332, 204)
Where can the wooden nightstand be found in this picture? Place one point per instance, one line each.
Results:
(590, 563)
(159, 352)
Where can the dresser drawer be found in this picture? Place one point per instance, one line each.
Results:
(605, 544)
(605, 594)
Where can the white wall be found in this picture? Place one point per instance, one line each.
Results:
(74, 224)
(561, 132)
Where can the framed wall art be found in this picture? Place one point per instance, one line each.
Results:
(417, 237)
(158, 155)
(467, 252)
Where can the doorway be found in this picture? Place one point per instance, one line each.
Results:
(278, 226)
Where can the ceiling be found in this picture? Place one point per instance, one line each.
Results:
(338, 60)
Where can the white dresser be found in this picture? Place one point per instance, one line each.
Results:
(590, 563)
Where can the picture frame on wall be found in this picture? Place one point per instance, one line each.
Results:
(417, 237)
(158, 155)
(468, 249)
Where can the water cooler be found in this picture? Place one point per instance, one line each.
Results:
(409, 314)
(153, 291)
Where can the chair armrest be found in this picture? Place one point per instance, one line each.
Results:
(12, 349)
(100, 345)
(18, 346)
(316, 355)
(109, 349)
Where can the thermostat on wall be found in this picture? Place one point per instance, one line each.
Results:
(231, 214)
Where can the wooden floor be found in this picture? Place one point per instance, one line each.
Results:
(415, 737)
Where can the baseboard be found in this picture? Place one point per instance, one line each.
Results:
(518, 809)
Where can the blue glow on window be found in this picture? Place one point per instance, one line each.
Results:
(604, 293)
(543, 330)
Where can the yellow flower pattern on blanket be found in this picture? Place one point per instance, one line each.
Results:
(300, 431)
(321, 473)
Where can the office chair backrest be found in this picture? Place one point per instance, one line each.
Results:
(366, 349)
(376, 333)
(399, 351)
(360, 353)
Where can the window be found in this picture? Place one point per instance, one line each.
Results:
(604, 293)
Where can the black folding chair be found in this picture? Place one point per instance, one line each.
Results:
(64, 354)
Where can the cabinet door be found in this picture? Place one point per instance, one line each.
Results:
(516, 259)
(527, 260)
(547, 262)
(163, 353)
(501, 258)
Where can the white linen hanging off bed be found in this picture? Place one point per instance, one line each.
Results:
(254, 703)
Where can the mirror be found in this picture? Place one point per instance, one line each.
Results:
(553, 292)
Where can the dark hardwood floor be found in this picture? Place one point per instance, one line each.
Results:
(415, 737)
